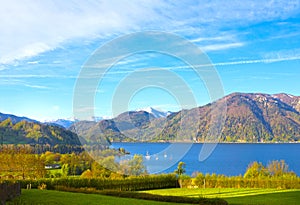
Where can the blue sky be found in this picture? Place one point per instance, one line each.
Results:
(254, 46)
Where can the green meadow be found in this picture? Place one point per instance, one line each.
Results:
(239, 196)
(50, 197)
(231, 195)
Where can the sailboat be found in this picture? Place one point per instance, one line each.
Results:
(147, 156)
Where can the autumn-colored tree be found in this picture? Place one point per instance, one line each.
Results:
(278, 168)
(87, 174)
(256, 170)
(180, 168)
(135, 166)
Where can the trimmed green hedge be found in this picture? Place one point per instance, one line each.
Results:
(147, 196)
(126, 184)
(220, 181)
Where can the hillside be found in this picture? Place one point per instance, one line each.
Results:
(24, 132)
(250, 118)
(113, 130)
(14, 118)
(92, 132)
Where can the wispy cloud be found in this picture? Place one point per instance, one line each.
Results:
(33, 62)
(223, 46)
(29, 28)
(225, 37)
(22, 83)
(268, 58)
(263, 60)
(23, 76)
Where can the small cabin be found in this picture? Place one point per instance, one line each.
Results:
(52, 166)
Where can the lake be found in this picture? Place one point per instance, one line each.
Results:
(228, 159)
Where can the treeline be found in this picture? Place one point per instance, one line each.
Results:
(42, 148)
(19, 162)
(58, 148)
(275, 175)
(221, 181)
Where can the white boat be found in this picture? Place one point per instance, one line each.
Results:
(147, 156)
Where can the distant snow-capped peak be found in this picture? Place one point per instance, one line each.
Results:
(155, 112)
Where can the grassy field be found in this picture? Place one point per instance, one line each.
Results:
(239, 196)
(233, 196)
(48, 197)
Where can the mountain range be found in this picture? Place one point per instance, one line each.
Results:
(248, 117)
(66, 123)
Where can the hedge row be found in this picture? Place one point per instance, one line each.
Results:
(126, 184)
(240, 182)
(147, 196)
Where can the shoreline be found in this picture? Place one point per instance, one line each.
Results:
(184, 142)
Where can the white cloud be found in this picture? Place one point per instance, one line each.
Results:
(16, 82)
(221, 46)
(225, 37)
(23, 76)
(33, 62)
(29, 27)
(55, 108)
(263, 60)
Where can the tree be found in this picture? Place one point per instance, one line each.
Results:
(65, 170)
(278, 168)
(256, 170)
(135, 166)
(180, 168)
(87, 174)
(99, 171)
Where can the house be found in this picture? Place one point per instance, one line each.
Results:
(52, 166)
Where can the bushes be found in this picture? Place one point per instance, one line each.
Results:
(221, 181)
(135, 183)
(126, 184)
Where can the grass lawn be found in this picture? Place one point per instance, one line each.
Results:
(239, 196)
(48, 197)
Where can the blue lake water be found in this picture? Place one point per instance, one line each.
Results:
(228, 159)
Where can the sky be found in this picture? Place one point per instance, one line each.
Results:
(254, 46)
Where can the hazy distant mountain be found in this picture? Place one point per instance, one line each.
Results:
(250, 118)
(61, 122)
(68, 123)
(90, 131)
(112, 129)
(14, 118)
